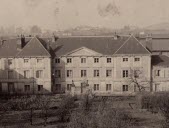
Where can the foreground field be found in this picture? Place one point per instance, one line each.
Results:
(141, 118)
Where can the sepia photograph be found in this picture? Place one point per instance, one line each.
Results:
(84, 64)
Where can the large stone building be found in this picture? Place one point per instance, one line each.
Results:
(105, 65)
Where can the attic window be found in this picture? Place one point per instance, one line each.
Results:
(69, 60)
(136, 59)
(96, 60)
(39, 60)
(26, 60)
(125, 59)
(157, 72)
(9, 61)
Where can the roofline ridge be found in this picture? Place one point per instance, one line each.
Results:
(141, 44)
(23, 48)
(29, 42)
(122, 45)
(83, 47)
(43, 46)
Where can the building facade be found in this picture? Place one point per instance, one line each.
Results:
(24, 69)
(102, 65)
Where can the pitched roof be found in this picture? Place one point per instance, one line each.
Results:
(132, 46)
(102, 45)
(160, 60)
(34, 47)
(156, 44)
(9, 48)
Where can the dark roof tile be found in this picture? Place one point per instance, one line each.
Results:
(160, 60)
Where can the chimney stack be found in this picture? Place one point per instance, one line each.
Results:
(21, 42)
(149, 37)
(54, 38)
(115, 36)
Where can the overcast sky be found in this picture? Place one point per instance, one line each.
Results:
(63, 14)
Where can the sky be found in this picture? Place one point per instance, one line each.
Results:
(64, 14)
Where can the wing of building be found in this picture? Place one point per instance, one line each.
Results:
(105, 65)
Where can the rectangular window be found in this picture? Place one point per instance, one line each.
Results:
(69, 87)
(125, 73)
(39, 60)
(10, 74)
(108, 73)
(96, 60)
(96, 73)
(9, 62)
(83, 73)
(83, 60)
(125, 59)
(26, 61)
(108, 87)
(27, 88)
(125, 88)
(96, 87)
(58, 87)
(40, 88)
(57, 73)
(69, 60)
(57, 60)
(39, 73)
(108, 60)
(26, 74)
(157, 72)
(69, 73)
(136, 59)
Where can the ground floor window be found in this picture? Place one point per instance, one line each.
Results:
(40, 88)
(108, 87)
(69, 87)
(96, 87)
(27, 88)
(125, 88)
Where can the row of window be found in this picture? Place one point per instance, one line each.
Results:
(96, 73)
(69, 73)
(26, 61)
(26, 74)
(96, 60)
(27, 88)
(96, 87)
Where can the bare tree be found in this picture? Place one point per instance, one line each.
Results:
(136, 78)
